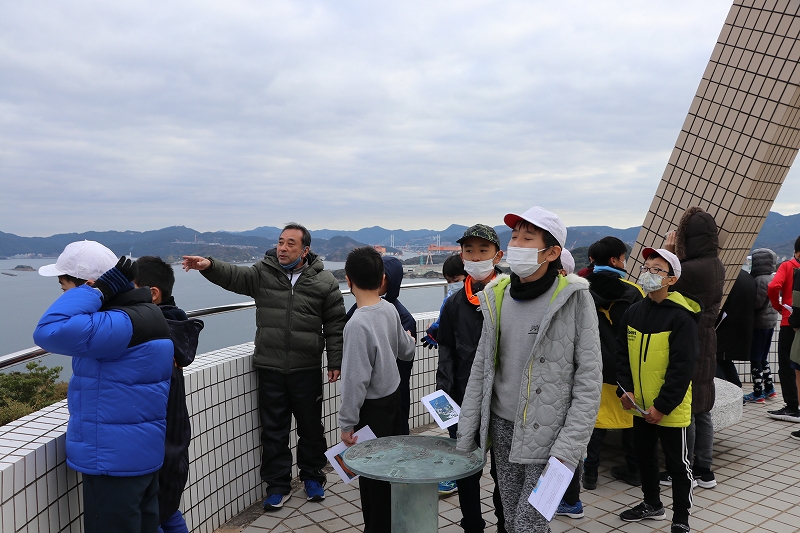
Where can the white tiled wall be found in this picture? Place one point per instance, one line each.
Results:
(38, 493)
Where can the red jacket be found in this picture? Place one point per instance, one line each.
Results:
(781, 286)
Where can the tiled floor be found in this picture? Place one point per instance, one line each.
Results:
(756, 463)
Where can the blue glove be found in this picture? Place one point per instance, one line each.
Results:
(429, 342)
(117, 279)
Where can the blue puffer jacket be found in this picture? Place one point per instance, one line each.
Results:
(122, 362)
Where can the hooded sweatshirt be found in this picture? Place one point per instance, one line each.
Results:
(763, 270)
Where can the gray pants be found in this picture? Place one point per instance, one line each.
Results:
(700, 440)
(516, 482)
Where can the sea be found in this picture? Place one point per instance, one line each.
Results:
(26, 295)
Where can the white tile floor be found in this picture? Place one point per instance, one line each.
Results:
(757, 466)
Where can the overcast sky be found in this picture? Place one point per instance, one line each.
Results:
(232, 115)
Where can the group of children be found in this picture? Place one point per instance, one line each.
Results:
(523, 355)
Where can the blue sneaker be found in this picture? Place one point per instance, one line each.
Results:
(275, 501)
(572, 511)
(446, 488)
(752, 398)
(314, 490)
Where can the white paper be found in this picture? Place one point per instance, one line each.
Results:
(334, 454)
(724, 315)
(442, 408)
(787, 307)
(550, 488)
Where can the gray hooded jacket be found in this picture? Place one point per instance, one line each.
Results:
(765, 262)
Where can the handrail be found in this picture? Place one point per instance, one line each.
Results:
(23, 356)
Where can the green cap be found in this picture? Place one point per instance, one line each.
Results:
(481, 231)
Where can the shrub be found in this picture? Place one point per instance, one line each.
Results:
(22, 393)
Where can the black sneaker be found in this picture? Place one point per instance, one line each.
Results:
(785, 413)
(704, 478)
(589, 480)
(679, 528)
(795, 435)
(643, 511)
(623, 473)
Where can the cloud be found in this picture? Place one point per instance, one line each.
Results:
(137, 115)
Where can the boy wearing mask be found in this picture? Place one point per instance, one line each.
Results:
(460, 324)
(534, 389)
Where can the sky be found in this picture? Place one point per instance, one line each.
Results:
(232, 115)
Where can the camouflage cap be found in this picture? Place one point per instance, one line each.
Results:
(481, 231)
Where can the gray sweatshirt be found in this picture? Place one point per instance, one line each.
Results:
(373, 339)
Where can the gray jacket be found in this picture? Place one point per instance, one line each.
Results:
(763, 270)
(560, 392)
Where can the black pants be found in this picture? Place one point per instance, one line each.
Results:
(596, 446)
(404, 390)
(759, 361)
(676, 456)
(120, 504)
(573, 493)
(469, 497)
(382, 415)
(726, 369)
(785, 370)
(279, 397)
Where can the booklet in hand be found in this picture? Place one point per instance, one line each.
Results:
(442, 408)
(334, 455)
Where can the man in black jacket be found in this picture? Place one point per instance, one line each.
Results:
(460, 324)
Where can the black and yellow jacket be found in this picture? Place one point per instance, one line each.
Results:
(658, 349)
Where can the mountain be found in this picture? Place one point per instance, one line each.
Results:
(778, 233)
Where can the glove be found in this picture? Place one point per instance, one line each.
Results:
(117, 279)
(429, 342)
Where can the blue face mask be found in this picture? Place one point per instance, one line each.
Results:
(293, 264)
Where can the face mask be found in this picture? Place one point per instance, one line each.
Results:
(524, 261)
(293, 264)
(479, 270)
(650, 282)
(454, 287)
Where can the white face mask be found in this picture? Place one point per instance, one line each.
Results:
(524, 261)
(479, 270)
(650, 282)
(454, 287)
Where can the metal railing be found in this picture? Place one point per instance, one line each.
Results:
(28, 354)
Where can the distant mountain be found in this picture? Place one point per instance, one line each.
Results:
(779, 233)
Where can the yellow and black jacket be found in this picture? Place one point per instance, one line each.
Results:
(658, 349)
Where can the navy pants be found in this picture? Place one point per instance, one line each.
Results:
(114, 504)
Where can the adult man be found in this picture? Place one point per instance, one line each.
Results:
(121, 364)
(299, 311)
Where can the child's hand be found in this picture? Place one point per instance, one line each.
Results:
(654, 416)
(348, 438)
(627, 401)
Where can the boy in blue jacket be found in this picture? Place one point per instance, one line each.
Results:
(122, 362)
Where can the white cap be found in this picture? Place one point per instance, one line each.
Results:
(567, 261)
(541, 218)
(82, 260)
(668, 256)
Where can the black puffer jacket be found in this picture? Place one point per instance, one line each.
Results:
(702, 276)
(612, 297)
(735, 322)
(765, 262)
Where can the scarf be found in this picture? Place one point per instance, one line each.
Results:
(468, 291)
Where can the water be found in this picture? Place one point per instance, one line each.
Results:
(27, 295)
